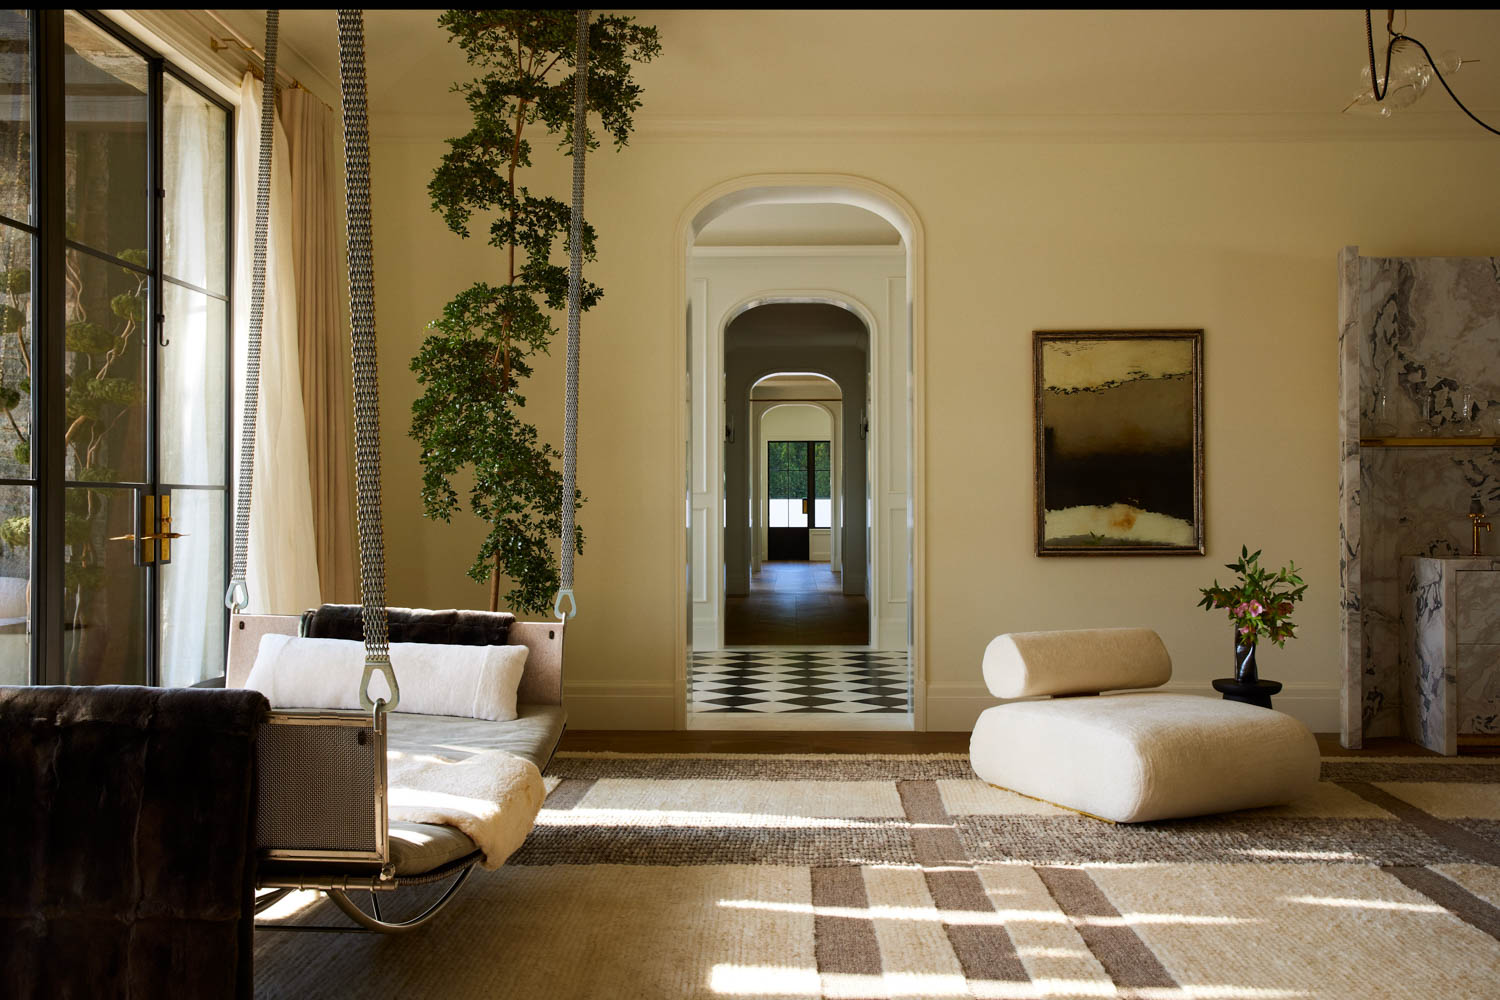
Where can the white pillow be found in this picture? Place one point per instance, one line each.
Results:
(478, 682)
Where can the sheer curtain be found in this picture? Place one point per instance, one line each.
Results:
(323, 337)
(282, 572)
(192, 633)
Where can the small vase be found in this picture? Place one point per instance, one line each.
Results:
(1244, 663)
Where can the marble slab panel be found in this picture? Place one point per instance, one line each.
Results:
(1479, 689)
(1478, 606)
(1418, 332)
(1428, 679)
(1351, 722)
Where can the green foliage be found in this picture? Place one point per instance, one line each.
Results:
(88, 338)
(22, 453)
(468, 417)
(16, 281)
(97, 474)
(136, 257)
(10, 398)
(129, 306)
(15, 532)
(1261, 603)
(88, 396)
(12, 320)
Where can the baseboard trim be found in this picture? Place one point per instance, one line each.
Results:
(621, 705)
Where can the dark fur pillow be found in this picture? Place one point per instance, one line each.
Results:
(445, 628)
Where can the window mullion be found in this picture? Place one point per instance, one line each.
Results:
(49, 302)
(155, 252)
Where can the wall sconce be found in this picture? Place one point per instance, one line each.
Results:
(729, 428)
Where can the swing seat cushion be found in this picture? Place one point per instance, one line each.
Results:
(1145, 756)
(419, 848)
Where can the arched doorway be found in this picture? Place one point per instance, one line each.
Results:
(853, 248)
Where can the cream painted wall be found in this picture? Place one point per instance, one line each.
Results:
(1237, 237)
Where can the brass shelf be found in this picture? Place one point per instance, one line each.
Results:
(1428, 442)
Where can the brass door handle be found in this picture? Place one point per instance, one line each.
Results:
(154, 547)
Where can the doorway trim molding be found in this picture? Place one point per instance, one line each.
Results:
(806, 188)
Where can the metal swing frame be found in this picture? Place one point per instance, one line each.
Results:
(311, 846)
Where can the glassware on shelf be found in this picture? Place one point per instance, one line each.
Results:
(1468, 411)
(1422, 426)
(1384, 422)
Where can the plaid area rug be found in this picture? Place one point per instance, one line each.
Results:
(904, 876)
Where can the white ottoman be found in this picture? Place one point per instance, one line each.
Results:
(1129, 757)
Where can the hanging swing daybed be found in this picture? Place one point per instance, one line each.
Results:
(324, 804)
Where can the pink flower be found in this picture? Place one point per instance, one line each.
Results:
(1246, 630)
(1239, 609)
(1256, 608)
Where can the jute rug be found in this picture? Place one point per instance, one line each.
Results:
(904, 876)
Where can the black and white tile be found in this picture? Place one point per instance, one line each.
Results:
(780, 681)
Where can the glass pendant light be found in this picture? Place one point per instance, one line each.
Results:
(1410, 75)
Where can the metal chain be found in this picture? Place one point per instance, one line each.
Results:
(237, 597)
(575, 287)
(366, 370)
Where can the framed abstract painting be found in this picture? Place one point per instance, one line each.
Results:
(1119, 442)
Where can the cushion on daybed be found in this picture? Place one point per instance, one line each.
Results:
(453, 627)
(476, 682)
(1145, 756)
(1077, 661)
(533, 734)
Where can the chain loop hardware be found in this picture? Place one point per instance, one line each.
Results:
(237, 597)
(379, 705)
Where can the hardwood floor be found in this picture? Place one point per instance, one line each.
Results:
(796, 604)
(704, 741)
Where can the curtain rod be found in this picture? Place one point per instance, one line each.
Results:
(249, 49)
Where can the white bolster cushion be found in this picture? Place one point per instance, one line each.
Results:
(1075, 661)
(477, 682)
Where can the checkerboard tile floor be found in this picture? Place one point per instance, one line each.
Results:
(774, 680)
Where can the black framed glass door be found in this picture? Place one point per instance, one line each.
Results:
(798, 496)
(114, 361)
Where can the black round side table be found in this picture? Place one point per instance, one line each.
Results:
(1256, 692)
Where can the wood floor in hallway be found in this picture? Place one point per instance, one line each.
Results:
(796, 604)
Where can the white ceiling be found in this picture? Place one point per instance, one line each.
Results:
(753, 63)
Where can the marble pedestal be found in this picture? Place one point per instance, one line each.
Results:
(1450, 650)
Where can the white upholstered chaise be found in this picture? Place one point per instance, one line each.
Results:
(1128, 757)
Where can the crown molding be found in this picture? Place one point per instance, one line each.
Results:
(178, 35)
(1333, 126)
(183, 36)
(1300, 127)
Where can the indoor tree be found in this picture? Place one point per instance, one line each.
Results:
(478, 354)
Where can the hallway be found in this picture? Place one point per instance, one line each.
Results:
(796, 604)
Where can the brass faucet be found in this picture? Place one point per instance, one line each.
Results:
(1476, 518)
